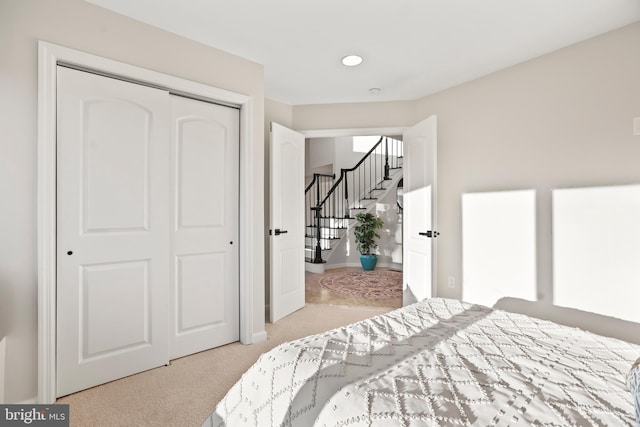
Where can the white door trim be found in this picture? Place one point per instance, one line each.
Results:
(333, 133)
(49, 56)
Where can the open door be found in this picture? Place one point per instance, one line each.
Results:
(419, 226)
(286, 223)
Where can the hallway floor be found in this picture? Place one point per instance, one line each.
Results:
(316, 293)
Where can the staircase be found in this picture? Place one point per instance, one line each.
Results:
(331, 203)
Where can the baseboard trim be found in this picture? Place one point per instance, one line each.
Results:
(3, 358)
(259, 337)
(314, 268)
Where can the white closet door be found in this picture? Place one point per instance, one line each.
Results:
(112, 231)
(205, 292)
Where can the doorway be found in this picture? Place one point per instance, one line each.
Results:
(342, 281)
(419, 230)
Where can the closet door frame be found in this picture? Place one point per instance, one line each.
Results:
(49, 57)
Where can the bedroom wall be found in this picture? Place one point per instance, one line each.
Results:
(561, 120)
(351, 116)
(278, 112)
(83, 26)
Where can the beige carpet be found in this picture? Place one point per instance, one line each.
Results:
(186, 392)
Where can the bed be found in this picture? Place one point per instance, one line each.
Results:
(439, 362)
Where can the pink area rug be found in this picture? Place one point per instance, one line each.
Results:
(366, 284)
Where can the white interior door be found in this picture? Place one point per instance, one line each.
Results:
(419, 227)
(205, 292)
(112, 229)
(286, 222)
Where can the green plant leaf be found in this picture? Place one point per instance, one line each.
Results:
(366, 233)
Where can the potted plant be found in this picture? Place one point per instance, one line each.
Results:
(366, 233)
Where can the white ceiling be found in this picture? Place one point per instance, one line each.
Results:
(411, 48)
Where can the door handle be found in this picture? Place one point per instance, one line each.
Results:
(279, 232)
(430, 233)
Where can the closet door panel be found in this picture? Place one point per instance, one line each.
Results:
(205, 288)
(113, 235)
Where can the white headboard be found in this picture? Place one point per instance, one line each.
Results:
(592, 322)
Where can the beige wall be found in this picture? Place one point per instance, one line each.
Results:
(83, 26)
(277, 112)
(560, 120)
(349, 116)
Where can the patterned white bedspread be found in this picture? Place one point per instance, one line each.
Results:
(438, 362)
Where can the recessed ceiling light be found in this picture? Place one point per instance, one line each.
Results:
(352, 60)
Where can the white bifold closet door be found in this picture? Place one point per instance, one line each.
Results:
(147, 270)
